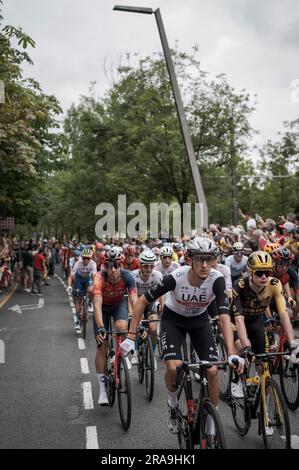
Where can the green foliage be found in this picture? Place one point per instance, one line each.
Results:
(29, 149)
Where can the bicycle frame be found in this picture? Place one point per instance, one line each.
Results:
(260, 381)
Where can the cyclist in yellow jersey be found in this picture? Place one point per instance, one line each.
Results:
(251, 299)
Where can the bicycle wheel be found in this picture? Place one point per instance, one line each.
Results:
(184, 433)
(149, 368)
(84, 317)
(240, 408)
(224, 371)
(140, 363)
(274, 418)
(109, 377)
(211, 435)
(124, 393)
(289, 382)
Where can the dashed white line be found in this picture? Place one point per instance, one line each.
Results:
(84, 365)
(91, 438)
(73, 311)
(87, 396)
(81, 343)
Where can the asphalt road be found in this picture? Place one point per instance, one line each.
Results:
(49, 390)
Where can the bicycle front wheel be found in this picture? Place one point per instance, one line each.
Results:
(184, 430)
(211, 435)
(240, 408)
(274, 418)
(289, 382)
(124, 393)
(149, 369)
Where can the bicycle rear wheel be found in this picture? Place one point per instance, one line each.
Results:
(84, 317)
(289, 382)
(274, 418)
(140, 363)
(211, 435)
(124, 393)
(149, 369)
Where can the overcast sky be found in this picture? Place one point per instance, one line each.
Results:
(255, 42)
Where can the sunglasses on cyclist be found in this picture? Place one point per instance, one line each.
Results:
(86, 257)
(262, 273)
(203, 258)
(166, 257)
(148, 266)
(113, 264)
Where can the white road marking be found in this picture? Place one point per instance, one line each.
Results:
(73, 311)
(294, 441)
(18, 308)
(81, 343)
(84, 365)
(75, 318)
(87, 396)
(92, 438)
(72, 304)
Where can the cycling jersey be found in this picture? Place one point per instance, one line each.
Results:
(187, 300)
(248, 303)
(159, 267)
(143, 286)
(81, 270)
(225, 271)
(114, 293)
(134, 264)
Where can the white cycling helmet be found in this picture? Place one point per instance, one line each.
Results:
(166, 251)
(147, 257)
(201, 245)
(238, 247)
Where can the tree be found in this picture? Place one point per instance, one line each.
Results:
(29, 150)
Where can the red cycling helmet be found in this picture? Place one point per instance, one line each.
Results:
(130, 251)
(113, 255)
(282, 254)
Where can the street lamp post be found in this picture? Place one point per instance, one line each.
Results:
(179, 105)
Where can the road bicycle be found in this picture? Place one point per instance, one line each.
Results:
(288, 372)
(145, 354)
(117, 376)
(199, 424)
(261, 399)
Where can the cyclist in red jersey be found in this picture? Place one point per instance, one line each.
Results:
(131, 263)
(110, 287)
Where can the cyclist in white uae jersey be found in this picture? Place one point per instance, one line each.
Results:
(81, 277)
(191, 290)
(147, 278)
(166, 265)
(225, 271)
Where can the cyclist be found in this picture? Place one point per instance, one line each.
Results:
(110, 287)
(237, 261)
(191, 290)
(147, 278)
(81, 277)
(251, 299)
(166, 265)
(130, 262)
(74, 259)
(282, 270)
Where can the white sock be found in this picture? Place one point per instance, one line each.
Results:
(173, 399)
(100, 378)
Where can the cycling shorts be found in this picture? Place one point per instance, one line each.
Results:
(174, 328)
(80, 285)
(118, 311)
(256, 334)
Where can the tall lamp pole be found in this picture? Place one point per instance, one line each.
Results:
(200, 196)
